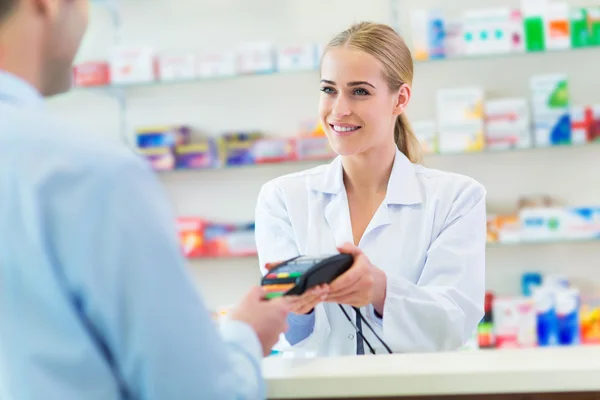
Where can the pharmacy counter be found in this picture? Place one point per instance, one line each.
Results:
(550, 373)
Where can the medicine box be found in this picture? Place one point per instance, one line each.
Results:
(133, 65)
(215, 65)
(177, 67)
(486, 31)
(460, 121)
(297, 58)
(426, 133)
(507, 124)
(91, 74)
(557, 26)
(256, 58)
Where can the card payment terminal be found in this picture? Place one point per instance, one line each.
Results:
(295, 276)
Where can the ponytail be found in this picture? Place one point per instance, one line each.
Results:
(406, 140)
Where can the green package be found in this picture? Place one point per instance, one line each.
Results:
(534, 34)
(580, 32)
(593, 14)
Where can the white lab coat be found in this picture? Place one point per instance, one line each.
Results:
(428, 235)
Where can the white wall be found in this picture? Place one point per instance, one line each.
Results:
(278, 104)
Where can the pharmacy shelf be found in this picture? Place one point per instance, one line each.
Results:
(484, 153)
(492, 245)
(544, 242)
(159, 83)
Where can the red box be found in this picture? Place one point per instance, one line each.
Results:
(91, 74)
(191, 236)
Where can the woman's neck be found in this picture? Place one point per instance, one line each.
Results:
(369, 172)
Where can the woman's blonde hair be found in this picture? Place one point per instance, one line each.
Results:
(382, 42)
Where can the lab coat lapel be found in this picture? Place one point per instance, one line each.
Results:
(337, 215)
(335, 206)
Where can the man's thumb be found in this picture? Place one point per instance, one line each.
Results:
(256, 293)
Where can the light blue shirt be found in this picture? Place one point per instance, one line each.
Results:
(95, 299)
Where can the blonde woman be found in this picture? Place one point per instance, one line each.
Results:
(418, 234)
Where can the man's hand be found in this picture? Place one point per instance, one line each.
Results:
(268, 318)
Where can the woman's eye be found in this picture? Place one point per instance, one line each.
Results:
(327, 90)
(361, 92)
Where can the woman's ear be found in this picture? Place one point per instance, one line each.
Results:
(401, 99)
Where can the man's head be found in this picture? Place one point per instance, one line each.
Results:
(39, 40)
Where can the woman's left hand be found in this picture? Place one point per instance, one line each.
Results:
(361, 285)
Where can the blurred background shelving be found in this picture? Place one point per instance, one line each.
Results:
(281, 103)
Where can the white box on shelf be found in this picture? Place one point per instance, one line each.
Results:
(581, 123)
(516, 31)
(461, 137)
(213, 65)
(419, 22)
(540, 223)
(256, 58)
(177, 67)
(557, 26)
(455, 38)
(297, 58)
(507, 124)
(459, 105)
(426, 133)
(580, 223)
(129, 65)
(552, 127)
(549, 91)
(486, 31)
(460, 119)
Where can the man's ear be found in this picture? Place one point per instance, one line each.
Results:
(401, 99)
(48, 9)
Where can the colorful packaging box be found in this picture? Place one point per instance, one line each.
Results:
(567, 315)
(191, 236)
(313, 148)
(162, 136)
(237, 148)
(297, 58)
(582, 120)
(91, 74)
(534, 12)
(515, 323)
(160, 158)
(420, 34)
(486, 31)
(590, 320)
(133, 65)
(273, 150)
(551, 109)
(557, 27)
(507, 124)
(229, 240)
(426, 133)
(198, 155)
(460, 120)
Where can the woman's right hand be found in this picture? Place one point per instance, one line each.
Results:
(307, 301)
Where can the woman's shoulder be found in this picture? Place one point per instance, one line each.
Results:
(299, 181)
(448, 185)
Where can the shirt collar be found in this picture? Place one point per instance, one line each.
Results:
(17, 91)
(403, 186)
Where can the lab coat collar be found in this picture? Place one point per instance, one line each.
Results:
(403, 186)
(15, 90)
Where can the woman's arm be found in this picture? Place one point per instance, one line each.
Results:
(441, 311)
(276, 242)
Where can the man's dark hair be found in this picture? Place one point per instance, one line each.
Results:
(6, 7)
